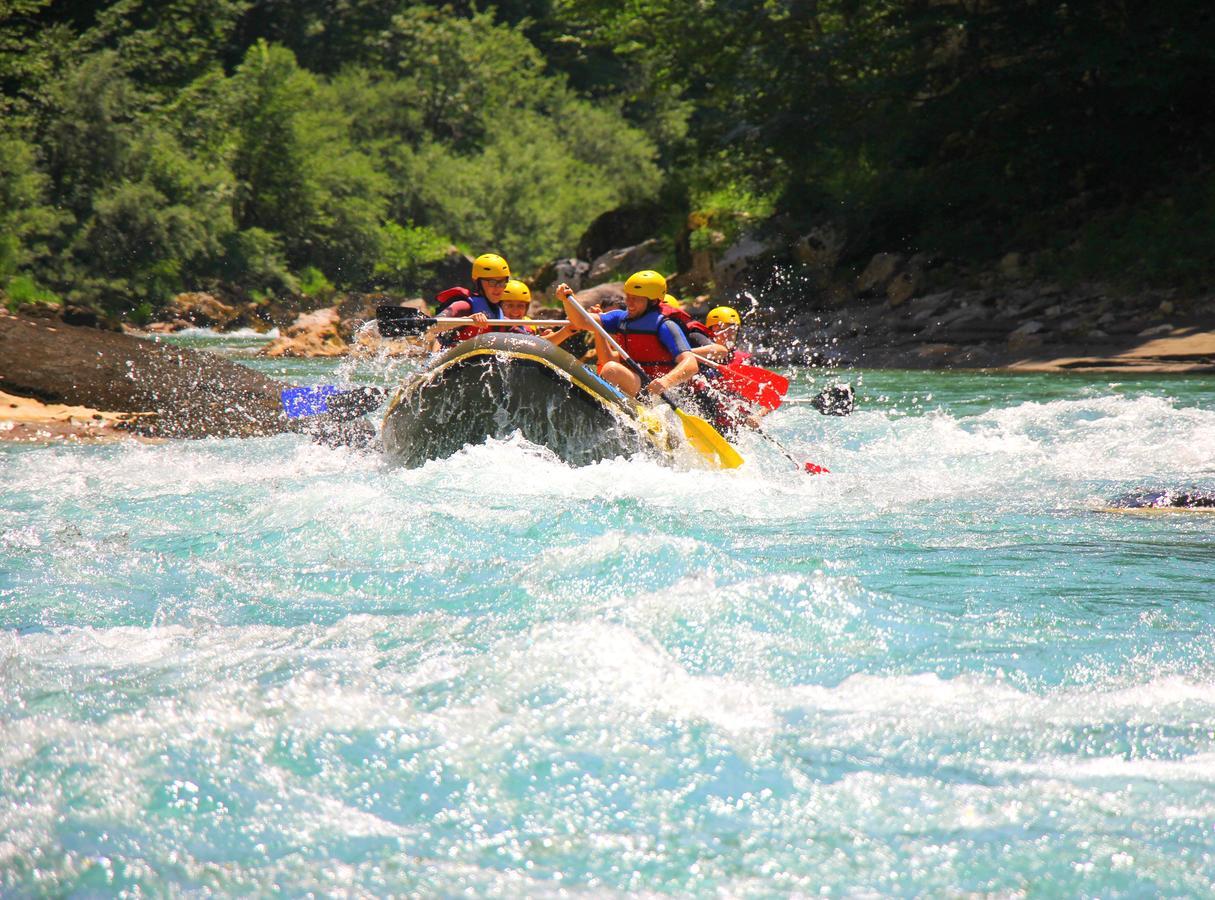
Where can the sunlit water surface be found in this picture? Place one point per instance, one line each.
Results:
(265, 665)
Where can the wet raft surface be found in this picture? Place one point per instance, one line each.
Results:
(498, 385)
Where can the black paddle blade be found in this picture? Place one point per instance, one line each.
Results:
(400, 321)
(836, 400)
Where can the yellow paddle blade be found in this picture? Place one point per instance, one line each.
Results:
(708, 442)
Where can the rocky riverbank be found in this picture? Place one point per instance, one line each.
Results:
(1042, 328)
(802, 301)
(1026, 327)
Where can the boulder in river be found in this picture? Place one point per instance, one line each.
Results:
(878, 274)
(201, 310)
(188, 393)
(313, 334)
(821, 248)
(608, 295)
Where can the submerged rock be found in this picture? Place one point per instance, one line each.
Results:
(1165, 499)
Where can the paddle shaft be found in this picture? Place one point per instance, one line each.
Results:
(498, 323)
(763, 434)
(779, 446)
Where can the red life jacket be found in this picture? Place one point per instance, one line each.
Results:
(639, 339)
(685, 321)
(451, 295)
(479, 305)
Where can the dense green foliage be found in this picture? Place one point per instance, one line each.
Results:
(153, 147)
(965, 128)
(276, 145)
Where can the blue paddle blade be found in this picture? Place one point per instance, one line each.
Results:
(311, 400)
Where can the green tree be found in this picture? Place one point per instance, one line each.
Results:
(297, 171)
(91, 130)
(165, 44)
(32, 54)
(529, 197)
(465, 76)
(27, 221)
(159, 232)
(269, 93)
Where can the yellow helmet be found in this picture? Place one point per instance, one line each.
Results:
(671, 300)
(490, 265)
(722, 315)
(647, 284)
(515, 290)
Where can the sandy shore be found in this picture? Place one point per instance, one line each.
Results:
(25, 420)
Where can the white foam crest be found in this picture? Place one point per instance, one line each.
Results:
(607, 547)
(1091, 437)
(316, 818)
(239, 334)
(610, 676)
(200, 661)
(1198, 768)
(486, 473)
(926, 703)
(180, 467)
(889, 461)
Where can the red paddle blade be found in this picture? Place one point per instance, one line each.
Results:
(779, 383)
(750, 389)
(815, 469)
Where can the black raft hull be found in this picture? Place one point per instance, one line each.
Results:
(497, 385)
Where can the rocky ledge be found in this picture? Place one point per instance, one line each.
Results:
(1040, 328)
(61, 381)
(176, 392)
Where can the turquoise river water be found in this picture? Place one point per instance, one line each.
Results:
(264, 666)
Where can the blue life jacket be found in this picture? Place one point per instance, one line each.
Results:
(479, 305)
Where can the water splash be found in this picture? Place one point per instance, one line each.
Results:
(255, 666)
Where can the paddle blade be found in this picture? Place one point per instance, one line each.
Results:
(328, 399)
(835, 400)
(312, 400)
(774, 380)
(749, 389)
(400, 321)
(705, 439)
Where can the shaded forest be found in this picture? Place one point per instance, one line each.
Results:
(270, 147)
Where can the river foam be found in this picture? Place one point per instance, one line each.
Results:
(271, 666)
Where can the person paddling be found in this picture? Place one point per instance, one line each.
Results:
(490, 273)
(650, 339)
(724, 323)
(515, 301)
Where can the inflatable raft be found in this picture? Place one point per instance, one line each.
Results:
(495, 385)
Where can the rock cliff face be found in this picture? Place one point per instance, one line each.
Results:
(187, 393)
(1027, 327)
